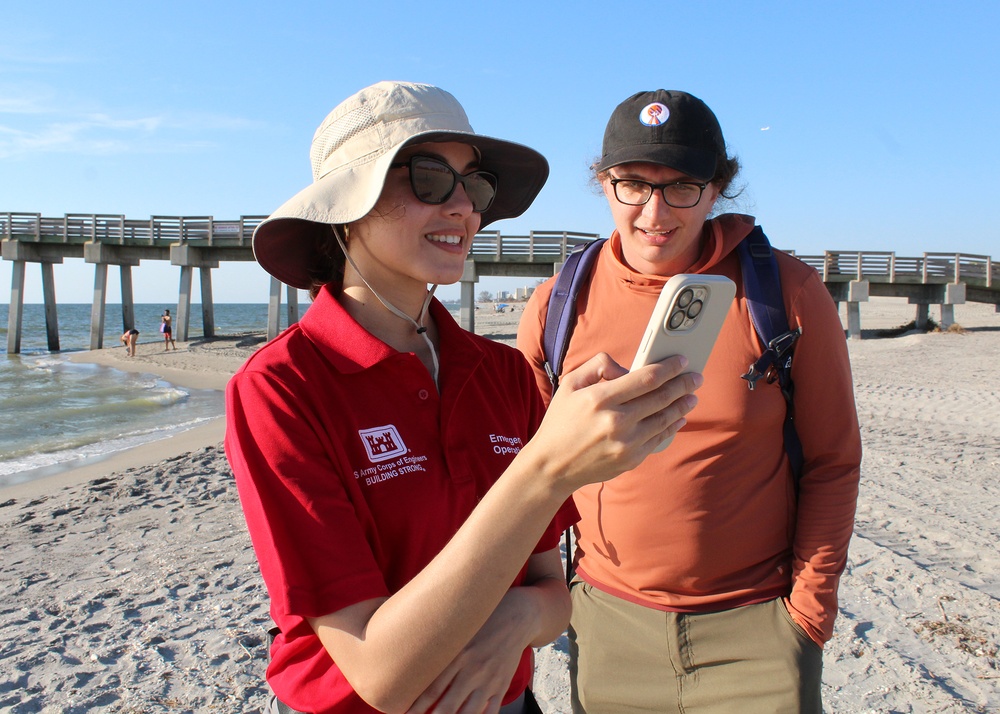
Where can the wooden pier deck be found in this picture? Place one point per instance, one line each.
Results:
(202, 242)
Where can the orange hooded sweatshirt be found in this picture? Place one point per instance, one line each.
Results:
(713, 521)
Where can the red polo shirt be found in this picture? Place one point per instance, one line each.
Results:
(354, 472)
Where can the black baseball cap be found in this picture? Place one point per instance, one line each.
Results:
(664, 127)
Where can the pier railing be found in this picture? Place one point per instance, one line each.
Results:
(80, 228)
(882, 266)
(536, 245)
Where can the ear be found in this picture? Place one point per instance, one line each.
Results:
(609, 191)
(713, 192)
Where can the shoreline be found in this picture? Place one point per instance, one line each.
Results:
(74, 473)
(196, 364)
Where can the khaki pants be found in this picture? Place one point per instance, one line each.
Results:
(627, 658)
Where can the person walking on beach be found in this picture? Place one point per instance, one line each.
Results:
(166, 327)
(129, 339)
(706, 578)
(403, 493)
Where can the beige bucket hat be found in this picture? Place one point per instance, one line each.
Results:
(351, 153)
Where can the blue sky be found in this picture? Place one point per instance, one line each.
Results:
(860, 125)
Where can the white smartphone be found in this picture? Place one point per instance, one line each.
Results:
(686, 321)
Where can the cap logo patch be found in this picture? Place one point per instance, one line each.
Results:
(654, 114)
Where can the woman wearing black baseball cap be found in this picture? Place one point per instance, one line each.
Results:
(706, 578)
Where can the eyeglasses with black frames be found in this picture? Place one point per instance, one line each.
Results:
(433, 181)
(677, 194)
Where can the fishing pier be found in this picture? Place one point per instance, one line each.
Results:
(202, 242)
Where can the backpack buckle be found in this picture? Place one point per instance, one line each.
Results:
(769, 364)
(553, 377)
(782, 343)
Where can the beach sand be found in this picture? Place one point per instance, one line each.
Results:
(129, 584)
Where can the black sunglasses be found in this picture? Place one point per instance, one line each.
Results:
(433, 181)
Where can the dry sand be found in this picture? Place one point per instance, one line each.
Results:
(129, 585)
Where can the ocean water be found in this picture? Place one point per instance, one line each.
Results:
(54, 413)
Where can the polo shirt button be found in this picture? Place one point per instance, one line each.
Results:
(423, 394)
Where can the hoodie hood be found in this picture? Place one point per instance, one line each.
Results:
(720, 237)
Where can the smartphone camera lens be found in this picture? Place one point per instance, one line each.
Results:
(687, 307)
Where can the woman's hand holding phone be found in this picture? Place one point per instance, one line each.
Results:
(604, 420)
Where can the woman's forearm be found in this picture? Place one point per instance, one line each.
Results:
(395, 652)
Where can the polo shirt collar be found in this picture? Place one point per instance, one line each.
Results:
(351, 348)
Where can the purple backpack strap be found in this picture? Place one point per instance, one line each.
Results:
(762, 289)
(560, 317)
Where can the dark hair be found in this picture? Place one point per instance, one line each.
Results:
(726, 170)
(328, 260)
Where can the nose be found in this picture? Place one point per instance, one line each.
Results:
(656, 205)
(459, 202)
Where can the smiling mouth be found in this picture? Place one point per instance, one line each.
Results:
(658, 236)
(450, 240)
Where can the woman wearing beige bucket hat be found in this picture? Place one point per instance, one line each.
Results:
(402, 490)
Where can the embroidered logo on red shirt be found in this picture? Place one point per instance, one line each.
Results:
(382, 443)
